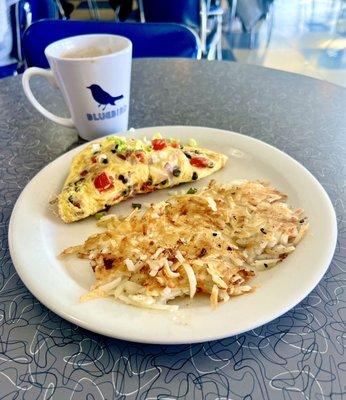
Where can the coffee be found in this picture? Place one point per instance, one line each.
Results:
(87, 52)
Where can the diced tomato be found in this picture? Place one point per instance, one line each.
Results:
(140, 156)
(175, 145)
(158, 144)
(199, 162)
(93, 159)
(102, 182)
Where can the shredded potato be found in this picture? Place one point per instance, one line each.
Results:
(210, 242)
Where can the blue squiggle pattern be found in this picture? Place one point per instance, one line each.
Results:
(300, 355)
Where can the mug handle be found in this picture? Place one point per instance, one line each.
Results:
(28, 73)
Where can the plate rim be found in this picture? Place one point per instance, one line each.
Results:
(136, 338)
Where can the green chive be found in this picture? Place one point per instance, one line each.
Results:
(100, 214)
(192, 191)
(137, 205)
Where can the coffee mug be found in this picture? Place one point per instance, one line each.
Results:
(93, 73)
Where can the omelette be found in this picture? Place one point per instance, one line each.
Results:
(106, 172)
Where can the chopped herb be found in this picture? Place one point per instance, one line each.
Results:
(191, 191)
(263, 231)
(194, 176)
(192, 143)
(176, 172)
(100, 214)
(137, 205)
(157, 136)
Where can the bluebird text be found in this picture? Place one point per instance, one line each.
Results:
(106, 115)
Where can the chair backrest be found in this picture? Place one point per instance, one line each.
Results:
(22, 14)
(149, 40)
(185, 12)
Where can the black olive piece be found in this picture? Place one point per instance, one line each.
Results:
(107, 207)
(70, 199)
(80, 180)
(211, 165)
(263, 231)
(214, 234)
(122, 156)
(176, 172)
(105, 161)
(194, 176)
(150, 180)
(113, 151)
(197, 152)
(108, 263)
(77, 184)
(122, 179)
(187, 154)
(164, 182)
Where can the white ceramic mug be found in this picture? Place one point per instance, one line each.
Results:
(93, 73)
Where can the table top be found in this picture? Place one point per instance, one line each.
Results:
(302, 353)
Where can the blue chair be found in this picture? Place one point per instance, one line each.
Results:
(149, 40)
(21, 15)
(202, 16)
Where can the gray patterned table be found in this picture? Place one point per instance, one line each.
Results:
(300, 355)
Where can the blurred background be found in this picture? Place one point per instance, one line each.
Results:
(302, 36)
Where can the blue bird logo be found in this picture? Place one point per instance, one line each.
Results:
(102, 97)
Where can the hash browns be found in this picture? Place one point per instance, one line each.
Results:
(211, 242)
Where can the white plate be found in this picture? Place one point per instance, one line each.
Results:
(36, 236)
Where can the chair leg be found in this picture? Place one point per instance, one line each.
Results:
(232, 12)
(219, 41)
(61, 9)
(93, 9)
(203, 25)
(141, 10)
